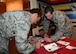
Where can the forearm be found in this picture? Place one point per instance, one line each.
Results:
(25, 47)
(56, 36)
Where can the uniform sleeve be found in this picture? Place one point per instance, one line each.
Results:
(60, 26)
(22, 29)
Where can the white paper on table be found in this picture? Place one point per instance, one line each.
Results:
(63, 42)
(51, 47)
(71, 47)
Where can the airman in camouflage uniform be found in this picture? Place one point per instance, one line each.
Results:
(15, 24)
(63, 23)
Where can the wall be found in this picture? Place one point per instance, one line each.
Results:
(74, 33)
(2, 7)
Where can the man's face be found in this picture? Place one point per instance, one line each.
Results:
(35, 18)
(49, 15)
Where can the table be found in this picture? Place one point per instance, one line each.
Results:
(64, 50)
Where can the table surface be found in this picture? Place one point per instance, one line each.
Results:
(63, 50)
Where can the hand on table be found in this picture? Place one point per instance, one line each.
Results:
(47, 39)
(38, 44)
(63, 37)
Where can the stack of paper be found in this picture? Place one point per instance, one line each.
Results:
(51, 47)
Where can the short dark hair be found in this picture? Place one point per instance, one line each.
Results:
(48, 9)
(36, 10)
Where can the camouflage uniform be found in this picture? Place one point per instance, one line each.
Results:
(15, 23)
(63, 23)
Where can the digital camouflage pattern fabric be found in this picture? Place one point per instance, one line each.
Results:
(15, 24)
(63, 23)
